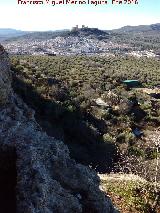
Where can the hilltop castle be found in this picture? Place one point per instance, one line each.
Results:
(78, 28)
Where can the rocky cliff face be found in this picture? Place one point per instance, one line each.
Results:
(46, 179)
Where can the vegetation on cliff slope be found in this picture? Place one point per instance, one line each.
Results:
(131, 194)
(64, 91)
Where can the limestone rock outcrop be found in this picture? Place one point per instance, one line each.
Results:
(47, 179)
(5, 77)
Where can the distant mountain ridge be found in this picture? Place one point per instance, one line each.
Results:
(86, 32)
(140, 28)
(6, 33)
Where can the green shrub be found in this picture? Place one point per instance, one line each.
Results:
(138, 152)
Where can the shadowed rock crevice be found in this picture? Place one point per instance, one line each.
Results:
(7, 181)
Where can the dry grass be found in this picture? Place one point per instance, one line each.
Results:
(130, 193)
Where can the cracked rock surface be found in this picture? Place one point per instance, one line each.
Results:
(47, 179)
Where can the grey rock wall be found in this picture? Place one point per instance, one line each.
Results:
(48, 181)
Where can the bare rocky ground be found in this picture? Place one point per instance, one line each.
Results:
(37, 174)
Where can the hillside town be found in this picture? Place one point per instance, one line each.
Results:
(73, 46)
(64, 46)
(78, 41)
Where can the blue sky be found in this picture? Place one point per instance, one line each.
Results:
(47, 17)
